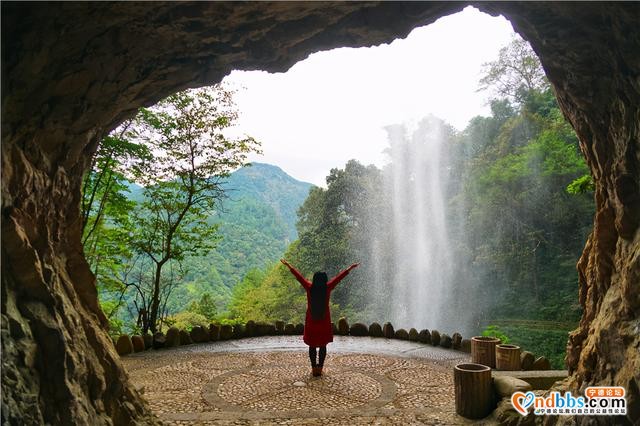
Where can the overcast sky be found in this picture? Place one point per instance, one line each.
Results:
(334, 105)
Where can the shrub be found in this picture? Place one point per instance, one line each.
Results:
(493, 331)
(186, 320)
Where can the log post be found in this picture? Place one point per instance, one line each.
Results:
(483, 350)
(507, 357)
(474, 394)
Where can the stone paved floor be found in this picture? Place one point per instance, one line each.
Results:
(267, 381)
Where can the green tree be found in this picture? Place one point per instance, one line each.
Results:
(206, 307)
(273, 293)
(192, 158)
(524, 234)
(106, 225)
(335, 223)
(187, 320)
(516, 73)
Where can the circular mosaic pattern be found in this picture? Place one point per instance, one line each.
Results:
(422, 377)
(222, 362)
(280, 389)
(248, 386)
(178, 401)
(363, 361)
(280, 358)
(169, 379)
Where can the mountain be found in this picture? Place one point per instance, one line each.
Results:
(257, 224)
(270, 186)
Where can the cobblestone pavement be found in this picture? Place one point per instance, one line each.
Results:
(267, 381)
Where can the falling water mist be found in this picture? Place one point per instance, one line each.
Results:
(418, 288)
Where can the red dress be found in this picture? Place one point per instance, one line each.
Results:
(318, 332)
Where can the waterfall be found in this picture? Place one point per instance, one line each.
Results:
(420, 278)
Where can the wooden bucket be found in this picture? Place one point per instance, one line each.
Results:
(483, 350)
(507, 357)
(474, 393)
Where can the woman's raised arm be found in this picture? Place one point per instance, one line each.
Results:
(335, 280)
(301, 279)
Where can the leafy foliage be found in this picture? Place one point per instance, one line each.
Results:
(192, 157)
(186, 320)
(515, 74)
(184, 156)
(494, 331)
(581, 185)
(106, 210)
(256, 223)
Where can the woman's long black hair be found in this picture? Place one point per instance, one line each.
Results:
(318, 295)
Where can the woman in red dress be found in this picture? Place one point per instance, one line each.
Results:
(317, 325)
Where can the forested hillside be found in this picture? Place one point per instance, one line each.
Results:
(173, 216)
(256, 225)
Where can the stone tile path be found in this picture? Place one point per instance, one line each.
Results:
(267, 381)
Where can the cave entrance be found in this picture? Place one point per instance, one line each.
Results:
(437, 204)
(102, 61)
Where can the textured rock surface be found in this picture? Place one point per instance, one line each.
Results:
(73, 71)
(375, 330)
(424, 336)
(456, 340)
(199, 334)
(138, 343)
(124, 346)
(238, 331)
(541, 363)
(507, 385)
(214, 332)
(185, 338)
(435, 337)
(446, 341)
(401, 334)
(343, 327)
(526, 360)
(226, 332)
(159, 340)
(264, 329)
(173, 337)
(506, 415)
(250, 328)
(289, 329)
(388, 331)
(413, 335)
(358, 329)
(538, 379)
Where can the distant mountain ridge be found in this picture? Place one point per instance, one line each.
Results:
(257, 224)
(271, 185)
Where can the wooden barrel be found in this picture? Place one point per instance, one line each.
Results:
(474, 393)
(483, 350)
(507, 357)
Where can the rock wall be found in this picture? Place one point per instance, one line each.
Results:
(73, 71)
(592, 57)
